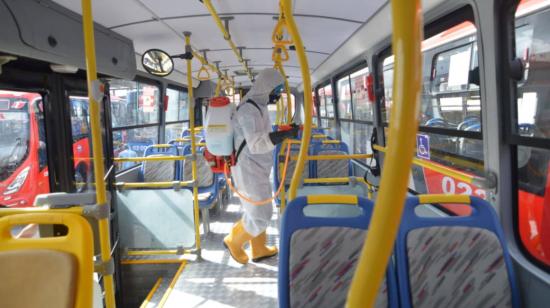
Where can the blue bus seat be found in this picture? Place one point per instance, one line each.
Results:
(331, 168)
(159, 171)
(319, 250)
(454, 261)
(278, 161)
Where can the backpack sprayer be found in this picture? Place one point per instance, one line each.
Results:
(220, 151)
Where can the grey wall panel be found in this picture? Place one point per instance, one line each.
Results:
(49, 32)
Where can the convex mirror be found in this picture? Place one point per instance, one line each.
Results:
(157, 62)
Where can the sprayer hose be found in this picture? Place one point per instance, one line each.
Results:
(262, 202)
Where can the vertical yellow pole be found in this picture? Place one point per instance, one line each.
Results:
(302, 58)
(406, 41)
(218, 87)
(188, 51)
(97, 145)
(287, 91)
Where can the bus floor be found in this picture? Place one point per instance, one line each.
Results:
(217, 280)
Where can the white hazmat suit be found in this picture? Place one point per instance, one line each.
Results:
(251, 174)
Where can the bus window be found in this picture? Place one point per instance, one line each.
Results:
(133, 103)
(82, 145)
(450, 114)
(327, 110)
(533, 121)
(177, 114)
(344, 99)
(23, 160)
(135, 118)
(363, 108)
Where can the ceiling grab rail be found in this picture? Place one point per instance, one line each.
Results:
(286, 7)
(406, 45)
(95, 97)
(226, 35)
(189, 58)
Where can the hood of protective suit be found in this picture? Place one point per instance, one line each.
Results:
(266, 81)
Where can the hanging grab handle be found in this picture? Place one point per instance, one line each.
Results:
(278, 33)
(203, 74)
(280, 54)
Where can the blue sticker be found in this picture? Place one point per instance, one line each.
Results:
(423, 146)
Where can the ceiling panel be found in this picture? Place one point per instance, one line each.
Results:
(346, 9)
(324, 35)
(110, 13)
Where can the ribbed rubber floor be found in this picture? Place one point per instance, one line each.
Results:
(219, 281)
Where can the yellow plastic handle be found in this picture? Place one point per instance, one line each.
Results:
(203, 74)
(280, 54)
(332, 199)
(278, 33)
(439, 198)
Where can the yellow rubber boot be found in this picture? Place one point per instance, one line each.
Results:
(259, 250)
(235, 241)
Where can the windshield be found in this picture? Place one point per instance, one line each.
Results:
(14, 134)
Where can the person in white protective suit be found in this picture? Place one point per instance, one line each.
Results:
(254, 142)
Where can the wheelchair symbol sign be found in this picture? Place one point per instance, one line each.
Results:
(423, 146)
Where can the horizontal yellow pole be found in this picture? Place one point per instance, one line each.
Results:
(332, 180)
(172, 285)
(149, 158)
(154, 184)
(42, 209)
(440, 198)
(226, 35)
(152, 261)
(332, 199)
(319, 136)
(151, 293)
(294, 141)
(334, 157)
(470, 179)
(154, 252)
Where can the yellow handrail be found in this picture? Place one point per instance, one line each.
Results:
(42, 209)
(226, 35)
(334, 156)
(149, 158)
(406, 41)
(466, 178)
(193, 141)
(154, 184)
(286, 6)
(336, 199)
(94, 90)
(429, 199)
(203, 74)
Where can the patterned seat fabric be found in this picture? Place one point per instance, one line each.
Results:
(159, 171)
(322, 262)
(457, 267)
(332, 168)
(205, 174)
(290, 171)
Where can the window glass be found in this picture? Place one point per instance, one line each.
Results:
(449, 99)
(23, 155)
(178, 108)
(132, 143)
(82, 142)
(174, 131)
(344, 98)
(322, 103)
(388, 88)
(329, 102)
(363, 108)
(346, 133)
(133, 103)
(533, 120)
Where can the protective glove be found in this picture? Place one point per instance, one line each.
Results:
(279, 137)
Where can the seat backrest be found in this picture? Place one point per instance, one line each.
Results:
(278, 164)
(319, 249)
(159, 171)
(204, 171)
(331, 168)
(54, 271)
(455, 261)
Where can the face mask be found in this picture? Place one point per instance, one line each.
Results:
(275, 95)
